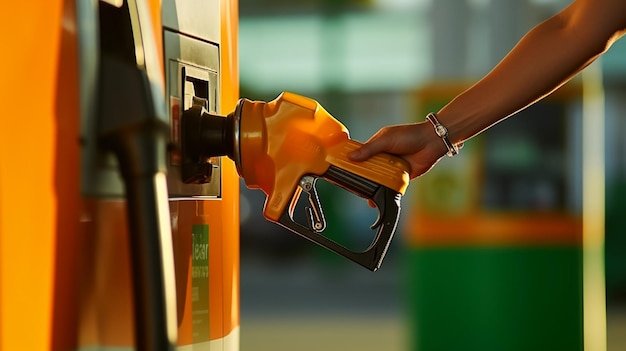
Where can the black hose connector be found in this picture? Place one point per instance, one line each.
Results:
(204, 135)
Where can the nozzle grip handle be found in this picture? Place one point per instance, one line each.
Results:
(385, 169)
(388, 203)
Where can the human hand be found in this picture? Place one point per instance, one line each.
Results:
(417, 143)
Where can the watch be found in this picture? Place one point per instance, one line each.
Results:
(442, 132)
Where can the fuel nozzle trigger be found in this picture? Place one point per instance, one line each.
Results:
(314, 214)
(387, 202)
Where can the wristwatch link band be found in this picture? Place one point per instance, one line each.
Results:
(442, 132)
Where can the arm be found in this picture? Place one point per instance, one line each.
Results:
(547, 57)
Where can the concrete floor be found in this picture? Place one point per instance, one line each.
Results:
(296, 306)
(293, 305)
(350, 333)
(322, 333)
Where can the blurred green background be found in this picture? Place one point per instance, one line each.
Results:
(488, 255)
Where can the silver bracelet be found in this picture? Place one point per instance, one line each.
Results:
(442, 132)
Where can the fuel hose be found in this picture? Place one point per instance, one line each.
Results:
(132, 125)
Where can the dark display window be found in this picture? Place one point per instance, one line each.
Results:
(525, 160)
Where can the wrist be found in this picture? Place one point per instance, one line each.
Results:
(432, 143)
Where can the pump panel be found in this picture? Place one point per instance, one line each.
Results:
(192, 71)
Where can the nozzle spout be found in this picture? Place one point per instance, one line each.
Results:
(204, 135)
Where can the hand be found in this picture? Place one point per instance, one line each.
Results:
(417, 143)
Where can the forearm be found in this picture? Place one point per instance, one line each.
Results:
(546, 58)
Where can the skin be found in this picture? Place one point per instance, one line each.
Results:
(546, 58)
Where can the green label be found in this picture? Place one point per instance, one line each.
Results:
(200, 282)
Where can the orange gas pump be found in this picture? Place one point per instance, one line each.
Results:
(99, 248)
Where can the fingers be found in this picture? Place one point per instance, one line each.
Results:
(360, 154)
(414, 142)
(375, 145)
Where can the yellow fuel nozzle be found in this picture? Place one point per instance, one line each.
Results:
(282, 147)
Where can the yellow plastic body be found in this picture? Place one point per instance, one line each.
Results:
(292, 136)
